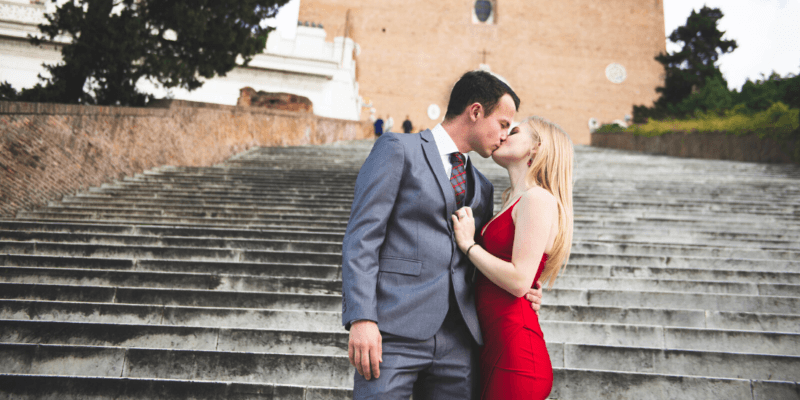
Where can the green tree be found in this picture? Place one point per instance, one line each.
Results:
(687, 70)
(174, 43)
(759, 95)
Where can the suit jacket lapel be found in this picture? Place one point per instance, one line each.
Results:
(435, 163)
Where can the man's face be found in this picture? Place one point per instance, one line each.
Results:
(490, 131)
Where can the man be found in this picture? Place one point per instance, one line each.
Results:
(407, 127)
(407, 290)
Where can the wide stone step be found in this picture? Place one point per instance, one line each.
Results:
(740, 240)
(113, 313)
(183, 297)
(592, 384)
(700, 213)
(224, 175)
(674, 301)
(279, 226)
(709, 263)
(228, 366)
(688, 221)
(205, 200)
(181, 210)
(633, 248)
(299, 244)
(148, 190)
(312, 178)
(24, 387)
(318, 271)
(679, 362)
(596, 228)
(675, 285)
(174, 337)
(676, 338)
(332, 187)
(159, 231)
(211, 194)
(165, 280)
(684, 274)
(604, 198)
(668, 317)
(179, 253)
(306, 223)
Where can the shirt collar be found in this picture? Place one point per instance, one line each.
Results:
(444, 142)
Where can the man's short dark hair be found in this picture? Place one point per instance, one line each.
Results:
(478, 87)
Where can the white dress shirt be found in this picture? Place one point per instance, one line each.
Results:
(446, 147)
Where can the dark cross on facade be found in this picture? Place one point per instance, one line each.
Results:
(484, 52)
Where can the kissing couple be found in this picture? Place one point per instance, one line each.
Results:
(440, 293)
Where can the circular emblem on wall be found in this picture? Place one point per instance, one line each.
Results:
(594, 124)
(434, 111)
(616, 73)
(483, 9)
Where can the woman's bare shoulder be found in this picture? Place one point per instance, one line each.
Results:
(537, 199)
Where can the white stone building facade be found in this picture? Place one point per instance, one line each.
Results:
(297, 59)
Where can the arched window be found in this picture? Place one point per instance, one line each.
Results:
(483, 11)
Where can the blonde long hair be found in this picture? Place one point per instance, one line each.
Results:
(551, 169)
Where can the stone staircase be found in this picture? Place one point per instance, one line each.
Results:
(224, 282)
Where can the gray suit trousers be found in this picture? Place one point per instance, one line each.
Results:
(443, 367)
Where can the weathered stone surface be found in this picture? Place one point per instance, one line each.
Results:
(202, 278)
(49, 150)
(710, 145)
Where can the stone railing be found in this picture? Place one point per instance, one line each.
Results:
(708, 145)
(50, 150)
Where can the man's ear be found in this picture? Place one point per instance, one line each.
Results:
(475, 111)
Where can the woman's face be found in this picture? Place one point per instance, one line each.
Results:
(516, 148)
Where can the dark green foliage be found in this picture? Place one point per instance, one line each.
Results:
(690, 68)
(172, 42)
(761, 94)
(610, 128)
(7, 92)
(714, 96)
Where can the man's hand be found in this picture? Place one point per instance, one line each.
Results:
(535, 297)
(365, 350)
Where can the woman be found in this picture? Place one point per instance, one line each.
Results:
(529, 239)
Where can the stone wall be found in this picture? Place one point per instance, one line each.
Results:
(49, 150)
(711, 145)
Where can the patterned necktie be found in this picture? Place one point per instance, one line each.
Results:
(458, 178)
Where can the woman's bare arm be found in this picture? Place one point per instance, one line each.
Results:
(534, 216)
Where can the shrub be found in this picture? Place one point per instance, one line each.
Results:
(778, 118)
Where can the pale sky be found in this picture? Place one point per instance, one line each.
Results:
(767, 32)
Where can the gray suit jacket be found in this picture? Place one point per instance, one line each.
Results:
(399, 255)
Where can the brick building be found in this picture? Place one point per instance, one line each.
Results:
(569, 60)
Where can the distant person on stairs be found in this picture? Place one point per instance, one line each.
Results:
(407, 290)
(378, 125)
(389, 124)
(407, 127)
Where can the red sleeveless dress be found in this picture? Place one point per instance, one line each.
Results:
(514, 359)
